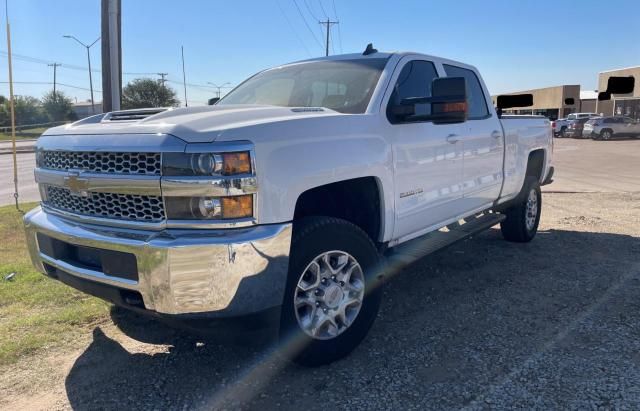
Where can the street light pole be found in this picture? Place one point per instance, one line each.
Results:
(218, 87)
(67, 36)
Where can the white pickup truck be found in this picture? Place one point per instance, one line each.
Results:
(291, 200)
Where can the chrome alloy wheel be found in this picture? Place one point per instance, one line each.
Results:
(532, 210)
(329, 295)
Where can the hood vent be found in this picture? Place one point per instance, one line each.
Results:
(132, 115)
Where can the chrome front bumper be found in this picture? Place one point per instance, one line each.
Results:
(225, 272)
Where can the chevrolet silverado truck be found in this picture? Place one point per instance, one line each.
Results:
(290, 202)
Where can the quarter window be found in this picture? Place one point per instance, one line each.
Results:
(476, 99)
(414, 81)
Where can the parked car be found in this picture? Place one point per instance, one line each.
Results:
(607, 128)
(575, 127)
(560, 126)
(291, 200)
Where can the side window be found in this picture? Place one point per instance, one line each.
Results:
(477, 101)
(414, 81)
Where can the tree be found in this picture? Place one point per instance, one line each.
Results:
(145, 92)
(28, 110)
(57, 106)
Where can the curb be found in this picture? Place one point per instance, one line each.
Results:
(18, 151)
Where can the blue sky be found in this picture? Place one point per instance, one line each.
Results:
(516, 44)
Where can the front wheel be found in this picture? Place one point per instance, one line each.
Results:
(521, 224)
(332, 298)
(606, 134)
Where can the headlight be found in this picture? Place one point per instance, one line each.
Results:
(206, 164)
(209, 208)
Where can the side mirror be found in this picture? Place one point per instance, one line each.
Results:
(213, 101)
(448, 103)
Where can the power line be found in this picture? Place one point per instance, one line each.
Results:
(30, 59)
(335, 14)
(292, 29)
(323, 11)
(307, 24)
(49, 83)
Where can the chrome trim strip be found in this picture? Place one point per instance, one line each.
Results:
(104, 183)
(140, 225)
(204, 187)
(88, 274)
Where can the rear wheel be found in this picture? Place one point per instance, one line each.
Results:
(331, 298)
(563, 129)
(521, 224)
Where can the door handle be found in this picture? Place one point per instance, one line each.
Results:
(453, 138)
(496, 134)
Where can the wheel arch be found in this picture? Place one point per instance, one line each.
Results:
(357, 200)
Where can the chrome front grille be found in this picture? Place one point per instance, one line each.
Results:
(130, 207)
(101, 162)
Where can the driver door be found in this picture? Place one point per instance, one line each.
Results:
(427, 157)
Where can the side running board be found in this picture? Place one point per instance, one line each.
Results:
(407, 253)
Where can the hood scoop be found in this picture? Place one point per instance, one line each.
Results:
(132, 115)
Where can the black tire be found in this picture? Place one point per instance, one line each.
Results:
(514, 227)
(312, 237)
(562, 132)
(606, 134)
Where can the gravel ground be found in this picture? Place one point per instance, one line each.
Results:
(483, 324)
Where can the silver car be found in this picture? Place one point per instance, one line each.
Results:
(606, 128)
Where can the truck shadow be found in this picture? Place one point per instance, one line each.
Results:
(453, 325)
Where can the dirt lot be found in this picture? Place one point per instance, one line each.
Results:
(483, 324)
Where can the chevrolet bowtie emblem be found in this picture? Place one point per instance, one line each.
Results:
(77, 185)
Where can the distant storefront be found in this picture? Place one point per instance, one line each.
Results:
(621, 104)
(551, 102)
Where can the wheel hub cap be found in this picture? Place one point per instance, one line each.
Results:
(329, 295)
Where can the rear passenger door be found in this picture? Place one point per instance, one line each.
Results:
(482, 143)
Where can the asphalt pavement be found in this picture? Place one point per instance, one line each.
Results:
(27, 188)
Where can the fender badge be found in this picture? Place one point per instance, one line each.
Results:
(411, 193)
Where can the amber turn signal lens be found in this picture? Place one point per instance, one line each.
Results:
(236, 163)
(453, 107)
(237, 206)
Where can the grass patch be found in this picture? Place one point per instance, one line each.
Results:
(24, 134)
(35, 311)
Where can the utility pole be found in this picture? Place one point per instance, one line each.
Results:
(184, 78)
(328, 24)
(13, 111)
(55, 66)
(111, 54)
(162, 79)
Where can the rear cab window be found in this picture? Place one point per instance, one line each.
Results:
(476, 99)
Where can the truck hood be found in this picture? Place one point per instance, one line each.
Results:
(194, 124)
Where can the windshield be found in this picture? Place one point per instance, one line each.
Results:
(345, 86)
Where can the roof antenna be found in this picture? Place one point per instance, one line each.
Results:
(369, 50)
